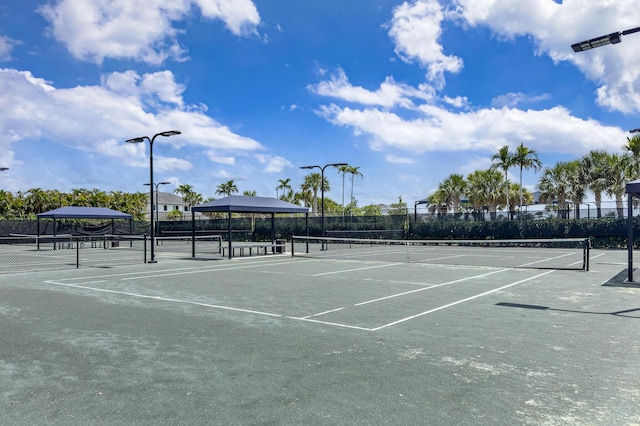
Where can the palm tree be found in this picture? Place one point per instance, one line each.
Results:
(6, 200)
(578, 184)
(504, 160)
(632, 156)
(314, 182)
(526, 158)
(484, 189)
(284, 185)
(184, 190)
(227, 188)
(618, 173)
(98, 198)
(80, 197)
(595, 166)
(343, 170)
(453, 189)
(554, 186)
(354, 172)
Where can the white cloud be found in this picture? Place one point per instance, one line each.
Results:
(93, 30)
(554, 27)
(273, 164)
(394, 159)
(240, 16)
(389, 94)
(99, 118)
(551, 130)
(6, 46)
(514, 99)
(415, 28)
(222, 159)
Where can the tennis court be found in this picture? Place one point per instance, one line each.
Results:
(305, 340)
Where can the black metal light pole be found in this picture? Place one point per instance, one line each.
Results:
(615, 38)
(322, 191)
(157, 204)
(151, 140)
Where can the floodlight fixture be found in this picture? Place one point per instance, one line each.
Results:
(2, 169)
(613, 38)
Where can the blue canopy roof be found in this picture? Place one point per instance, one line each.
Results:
(633, 188)
(84, 213)
(246, 204)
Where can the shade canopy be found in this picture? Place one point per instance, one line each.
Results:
(77, 212)
(633, 188)
(247, 204)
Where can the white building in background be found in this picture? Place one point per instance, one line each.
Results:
(167, 202)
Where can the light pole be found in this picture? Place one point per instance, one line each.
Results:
(151, 140)
(322, 191)
(157, 211)
(614, 38)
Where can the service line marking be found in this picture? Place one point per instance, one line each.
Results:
(460, 301)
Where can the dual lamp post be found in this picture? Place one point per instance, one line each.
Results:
(151, 140)
(322, 191)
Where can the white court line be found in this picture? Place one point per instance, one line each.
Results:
(176, 271)
(322, 313)
(547, 259)
(206, 305)
(254, 265)
(354, 269)
(430, 287)
(165, 299)
(460, 301)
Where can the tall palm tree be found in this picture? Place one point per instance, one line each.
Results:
(453, 189)
(343, 170)
(618, 173)
(526, 158)
(98, 198)
(554, 186)
(595, 166)
(285, 186)
(227, 188)
(6, 200)
(632, 156)
(484, 189)
(354, 171)
(313, 182)
(578, 184)
(504, 160)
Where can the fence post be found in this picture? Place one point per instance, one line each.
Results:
(77, 253)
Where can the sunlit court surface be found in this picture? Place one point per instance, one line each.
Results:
(278, 339)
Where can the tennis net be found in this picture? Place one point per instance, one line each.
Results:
(557, 253)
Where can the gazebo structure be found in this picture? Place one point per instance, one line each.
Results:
(77, 212)
(245, 204)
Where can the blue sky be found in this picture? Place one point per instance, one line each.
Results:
(409, 92)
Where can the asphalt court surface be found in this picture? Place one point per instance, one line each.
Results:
(281, 340)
